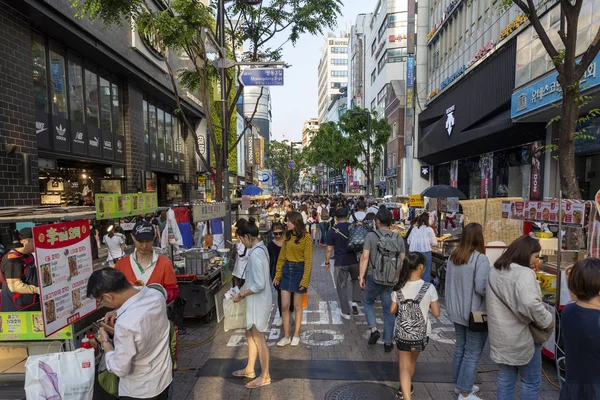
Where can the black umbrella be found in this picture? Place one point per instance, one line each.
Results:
(441, 191)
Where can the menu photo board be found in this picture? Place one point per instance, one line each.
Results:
(114, 206)
(28, 326)
(63, 256)
(573, 213)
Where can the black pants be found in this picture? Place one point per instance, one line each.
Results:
(163, 396)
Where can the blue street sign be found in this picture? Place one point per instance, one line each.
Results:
(291, 164)
(410, 71)
(262, 77)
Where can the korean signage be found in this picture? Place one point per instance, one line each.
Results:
(536, 172)
(28, 326)
(208, 211)
(111, 206)
(416, 200)
(573, 214)
(410, 71)
(546, 90)
(63, 256)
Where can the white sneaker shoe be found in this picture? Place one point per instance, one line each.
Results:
(277, 321)
(295, 341)
(472, 396)
(474, 390)
(346, 316)
(283, 342)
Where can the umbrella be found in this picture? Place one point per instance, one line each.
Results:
(252, 191)
(441, 191)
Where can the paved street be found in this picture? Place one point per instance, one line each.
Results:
(326, 338)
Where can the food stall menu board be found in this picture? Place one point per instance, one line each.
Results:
(573, 214)
(113, 206)
(206, 212)
(28, 326)
(63, 256)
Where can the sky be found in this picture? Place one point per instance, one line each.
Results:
(296, 101)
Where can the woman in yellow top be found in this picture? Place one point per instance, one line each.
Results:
(293, 273)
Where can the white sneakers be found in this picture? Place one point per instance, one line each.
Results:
(474, 390)
(346, 316)
(285, 341)
(277, 321)
(472, 396)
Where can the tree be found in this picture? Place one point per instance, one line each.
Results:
(570, 68)
(367, 138)
(180, 27)
(325, 148)
(277, 156)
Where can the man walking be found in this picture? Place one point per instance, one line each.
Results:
(346, 265)
(140, 355)
(361, 213)
(324, 220)
(372, 289)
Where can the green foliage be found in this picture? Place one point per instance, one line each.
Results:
(277, 156)
(108, 11)
(331, 148)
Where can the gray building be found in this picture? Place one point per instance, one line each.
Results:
(262, 118)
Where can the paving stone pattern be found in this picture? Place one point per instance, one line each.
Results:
(325, 336)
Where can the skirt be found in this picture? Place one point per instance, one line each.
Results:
(291, 276)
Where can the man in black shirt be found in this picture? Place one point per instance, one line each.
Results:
(20, 291)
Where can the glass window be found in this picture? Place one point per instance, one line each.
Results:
(373, 47)
(510, 168)
(145, 112)
(373, 75)
(161, 133)
(152, 126)
(382, 28)
(57, 80)
(338, 74)
(469, 177)
(76, 104)
(396, 55)
(339, 50)
(91, 98)
(168, 135)
(117, 117)
(339, 61)
(40, 79)
(382, 62)
(105, 100)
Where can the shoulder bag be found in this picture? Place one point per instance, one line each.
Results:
(477, 319)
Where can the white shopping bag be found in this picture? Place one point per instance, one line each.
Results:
(235, 314)
(60, 376)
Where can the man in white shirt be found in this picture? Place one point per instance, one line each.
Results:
(372, 208)
(141, 355)
(360, 214)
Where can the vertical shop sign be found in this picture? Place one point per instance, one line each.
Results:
(536, 172)
(64, 264)
(454, 173)
(487, 172)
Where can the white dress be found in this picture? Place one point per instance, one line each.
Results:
(258, 305)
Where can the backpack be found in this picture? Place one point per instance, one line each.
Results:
(324, 214)
(386, 269)
(357, 232)
(410, 325)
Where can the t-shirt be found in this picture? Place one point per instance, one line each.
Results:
(411, 290)
(371, 244)
(360, 215)
(343, 257)
(114, 246)
(373, 209)
(581, 334)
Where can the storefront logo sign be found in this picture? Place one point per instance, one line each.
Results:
(453, 77)
(107, 144)
(522, 102)
(40, 127)
(450, 120)
(95, 142)
(119, 145)
(78, 137)
(61, 133)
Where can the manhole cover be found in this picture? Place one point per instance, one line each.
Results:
(360, 391)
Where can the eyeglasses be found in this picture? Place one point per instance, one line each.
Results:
(99, 301)
(277, 233)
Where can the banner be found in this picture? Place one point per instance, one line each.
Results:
(536, 172)
(114, 206)
(28, 326)
(63, 257)
(573, 213)
(205, 212)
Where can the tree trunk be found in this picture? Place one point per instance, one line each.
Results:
(566, 161)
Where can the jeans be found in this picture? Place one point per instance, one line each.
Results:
(341, 283)
(467, 351)
(385, 293)
(427, 273)
(324, 226)
(531, 378)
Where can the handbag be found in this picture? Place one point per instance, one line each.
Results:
(477, 319)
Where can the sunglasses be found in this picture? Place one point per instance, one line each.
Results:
(277, 233)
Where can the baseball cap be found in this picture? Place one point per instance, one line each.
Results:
(143, 231)
(26, 233)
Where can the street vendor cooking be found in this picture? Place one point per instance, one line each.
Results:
(20, 291)
(145, 266)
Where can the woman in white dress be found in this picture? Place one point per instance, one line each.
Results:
(257, 291)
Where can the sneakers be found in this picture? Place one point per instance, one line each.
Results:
(374, 337)
(354, 308)
(277, 321)
(400, 395)
(284, 342)
(388, 347)
(474, 390)
(471, 396)
(295, 341)
(346, 316)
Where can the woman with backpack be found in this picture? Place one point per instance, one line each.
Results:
(324, 219)
(421, 238)
(411, 300)
(294, 268)
(466, 280)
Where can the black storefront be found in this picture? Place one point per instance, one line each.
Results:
(471, 119)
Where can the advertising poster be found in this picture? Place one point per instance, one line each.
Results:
(545, 211)
(573, 214)
(64, 264)
(28, 326)
(113, 206)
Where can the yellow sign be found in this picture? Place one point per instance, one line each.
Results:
(201, 180)
(28, 326)
(409, 97)
(111, 206)
(416, 200)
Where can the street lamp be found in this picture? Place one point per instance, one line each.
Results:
(368, 113)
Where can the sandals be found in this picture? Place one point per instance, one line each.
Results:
(252, 385)
(242, 374)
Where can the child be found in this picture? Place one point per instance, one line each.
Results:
(412, 329)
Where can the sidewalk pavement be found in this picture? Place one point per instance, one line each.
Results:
(324, 336)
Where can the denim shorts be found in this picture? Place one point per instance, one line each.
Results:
(291, 276)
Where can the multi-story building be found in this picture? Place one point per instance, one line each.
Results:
(259, 98)
(356, 83)
(309, 130)
(333, 72)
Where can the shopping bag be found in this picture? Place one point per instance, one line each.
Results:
(235, 314)
(305, 300)
(61, 376)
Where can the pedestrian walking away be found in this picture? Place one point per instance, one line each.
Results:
(371, 257)
(411, 300)
(346, 265)
(116, 246)
(421, 238)
(466, 280)
(518, 321)
(294, 268)
(257, 291)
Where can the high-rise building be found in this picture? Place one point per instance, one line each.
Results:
(263, 117)
(357, 62)
(309, 130)
(333, 72)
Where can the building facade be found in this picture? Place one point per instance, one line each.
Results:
(309, 130)
(332, 73)
(259, 98)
